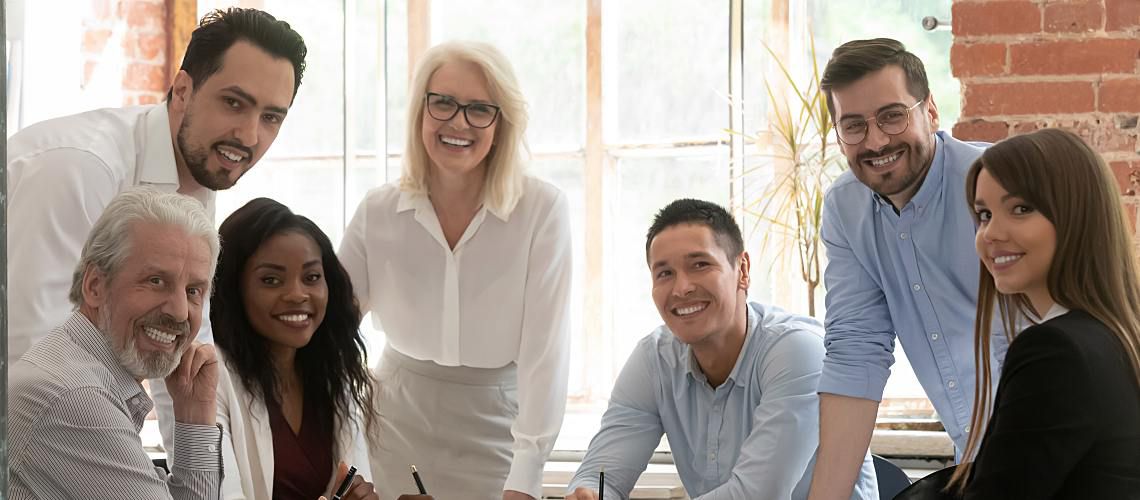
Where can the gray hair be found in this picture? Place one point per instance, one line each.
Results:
(109, 242)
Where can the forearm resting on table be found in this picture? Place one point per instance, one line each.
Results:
(845, 428)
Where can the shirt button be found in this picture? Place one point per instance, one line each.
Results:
(967, 428)
(934, 336)
(902, 236)
(916, 287)
(212, 448)
(952, 384)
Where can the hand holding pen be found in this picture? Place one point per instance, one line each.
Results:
(583, 493)
(351, 486)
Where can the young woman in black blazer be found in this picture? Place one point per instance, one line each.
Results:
(1056, 255)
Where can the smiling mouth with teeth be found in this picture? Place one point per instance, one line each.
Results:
(688, 310)
(455, 141)
(293, 318)
(159, 335)
(1005, 259)
(234, 157)
(879, 162)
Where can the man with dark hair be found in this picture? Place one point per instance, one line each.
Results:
(901, 259)
(225, 107)
(731, 383)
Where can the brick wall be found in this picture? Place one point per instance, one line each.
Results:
(129, 35)
(1074, 64)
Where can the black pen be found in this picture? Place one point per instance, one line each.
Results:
(602, 484)
(345, 484)
(419, 483)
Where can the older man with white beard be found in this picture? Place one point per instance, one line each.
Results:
(75, 400)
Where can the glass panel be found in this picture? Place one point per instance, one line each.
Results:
(566, 173)
(308, 186)
(545, 43)
(646, 182)
(836, 22)
(396, 54)
(665, 69)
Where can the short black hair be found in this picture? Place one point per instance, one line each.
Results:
(220, 29)
(690, 211)
(858, 58)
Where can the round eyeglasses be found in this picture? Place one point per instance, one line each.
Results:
(892, 120)
(444, 107)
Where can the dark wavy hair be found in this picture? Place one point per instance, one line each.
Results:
(220, 29)
(331, 366)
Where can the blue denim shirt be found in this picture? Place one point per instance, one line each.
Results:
(752, 437)
(911, 275)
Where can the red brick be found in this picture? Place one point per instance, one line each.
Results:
(145, 47)
(1127, 176)
(1121, 14)
(94, 41)
(149, 98)
(1074, 17)
(977, 59)
(1027, 127)
(100, 9)
(1104, 134)
(144, 77)
(144, 15)
(1120, 95)
(995, 18)
(1074, 57)
(1130, 216)
(1027, 98)
(981, 130)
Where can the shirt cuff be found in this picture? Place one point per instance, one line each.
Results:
(197, 447)
(526, 473)
(588, 483)
(863, 381)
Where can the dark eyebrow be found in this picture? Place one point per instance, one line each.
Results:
(249, 99)
(690, 255)
(877, 111)
(267, 265)
(311, 263)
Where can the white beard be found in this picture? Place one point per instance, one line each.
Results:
(156, 365)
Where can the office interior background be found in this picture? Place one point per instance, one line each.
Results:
(633, 103)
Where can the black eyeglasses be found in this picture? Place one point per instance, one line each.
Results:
(444, 107)
(893, 120)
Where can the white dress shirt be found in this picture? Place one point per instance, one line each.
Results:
(62, 173)
(501, 296)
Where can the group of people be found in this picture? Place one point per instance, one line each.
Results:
(465, 263)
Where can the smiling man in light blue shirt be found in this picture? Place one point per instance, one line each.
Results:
(731, 383)
(901, 261)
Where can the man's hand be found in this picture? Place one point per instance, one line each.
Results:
(194, 384)
(583, 494)
(516, 495)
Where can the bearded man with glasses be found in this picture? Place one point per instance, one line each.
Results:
(901, 259)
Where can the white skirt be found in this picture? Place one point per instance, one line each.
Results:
(452, 422)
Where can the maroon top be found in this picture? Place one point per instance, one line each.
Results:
(303, 462)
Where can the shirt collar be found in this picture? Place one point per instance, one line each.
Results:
(419, 202)
(156, 163)
(931, 184)
(744, 361)
(1053, 312)
(124, 386)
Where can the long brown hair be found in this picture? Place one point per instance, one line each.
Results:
(1062, 177)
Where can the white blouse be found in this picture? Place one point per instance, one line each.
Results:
(501, 296)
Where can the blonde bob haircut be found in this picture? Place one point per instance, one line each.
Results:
(503, 183)
(1058, 174)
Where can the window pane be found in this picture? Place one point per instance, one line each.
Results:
(396, 58)
(545, 43)
(645, 185)
(308, 186)
(834, 23)
(665, 69)
(566, 173)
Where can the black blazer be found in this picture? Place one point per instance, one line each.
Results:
(1066, 420)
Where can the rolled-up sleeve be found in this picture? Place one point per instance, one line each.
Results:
(860, 337)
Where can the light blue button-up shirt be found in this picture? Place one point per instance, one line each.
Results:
(912, 274)
(753, 437)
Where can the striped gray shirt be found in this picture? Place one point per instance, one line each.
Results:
(74, 416)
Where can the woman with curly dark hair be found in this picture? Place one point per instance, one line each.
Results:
(296, 397)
